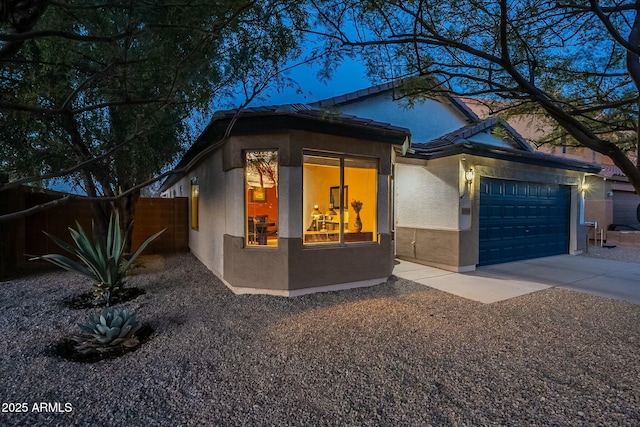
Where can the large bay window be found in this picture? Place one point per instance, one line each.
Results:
(339, 199)
(261, 198)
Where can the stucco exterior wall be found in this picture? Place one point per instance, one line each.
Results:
(426, 196)
(598, 205)
(206, 242)
(445, 234)
(440, 119)
(290, 199)
(290, 268)
(489, 139)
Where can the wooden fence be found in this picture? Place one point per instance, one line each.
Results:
(23, 238)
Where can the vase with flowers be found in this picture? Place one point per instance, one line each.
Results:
(357, 207)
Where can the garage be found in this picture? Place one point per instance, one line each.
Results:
(522, 220)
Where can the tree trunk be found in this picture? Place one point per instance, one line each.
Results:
(633, 67)
(127, 209)
(101, 214)
(638, 134)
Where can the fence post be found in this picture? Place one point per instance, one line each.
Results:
(11, 232)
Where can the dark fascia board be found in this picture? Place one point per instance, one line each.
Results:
(463, 107)
(357, 95)
(518, 156)
(516, 136)
(470, 130)
(260, 120)
(339, 125)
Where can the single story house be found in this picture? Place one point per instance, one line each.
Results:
(293, 199)
(290, 200)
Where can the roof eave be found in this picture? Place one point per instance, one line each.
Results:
(524, 157)
(257, 122)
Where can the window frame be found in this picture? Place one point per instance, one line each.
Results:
(246, 199)
(195, 205)
(341, 237)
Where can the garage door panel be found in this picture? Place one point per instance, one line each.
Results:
(520, 250)
(522, 190)
(495, 233)
(510, 189)
(519, 232)
(497, 188)
(522, 220)
(509, 211)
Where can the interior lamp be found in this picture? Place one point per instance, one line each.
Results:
(330, 213)
(317, 216)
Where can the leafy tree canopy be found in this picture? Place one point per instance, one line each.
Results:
(573, 61)
(107, 93)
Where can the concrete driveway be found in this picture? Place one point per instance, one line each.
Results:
(610, 279)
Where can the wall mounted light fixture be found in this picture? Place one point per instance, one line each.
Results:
(469, 175)
(468, 180)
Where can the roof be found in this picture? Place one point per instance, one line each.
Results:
(361, 94)
(457, 142)
(476, 126)
(257, 120)
(610, 171)
(461, 135)
(425, 151)
(385, 132)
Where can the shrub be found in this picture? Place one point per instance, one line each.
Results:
(101, 258)
(113, 327)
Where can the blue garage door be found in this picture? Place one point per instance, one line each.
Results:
(522, 220)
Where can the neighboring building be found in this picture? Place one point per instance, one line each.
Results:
(271, 191)
(466, 197)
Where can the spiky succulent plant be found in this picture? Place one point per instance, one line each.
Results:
(101, 257)
(111, 328)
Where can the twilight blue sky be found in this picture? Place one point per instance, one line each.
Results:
(349, 76)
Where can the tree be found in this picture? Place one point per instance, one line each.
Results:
(107, 94)
(575, 61)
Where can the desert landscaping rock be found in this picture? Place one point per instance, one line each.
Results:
(617, 253)
(397, 354)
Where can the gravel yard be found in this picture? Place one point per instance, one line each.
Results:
(397, 354)
(618, 253)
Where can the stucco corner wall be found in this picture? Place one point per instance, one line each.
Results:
(427, 195)
(452, 250)
(219, 242)
(291, 266)
(323, 266)
(437, 214)
(258, 268)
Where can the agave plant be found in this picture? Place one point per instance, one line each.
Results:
(101, 258)
(113, 327)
